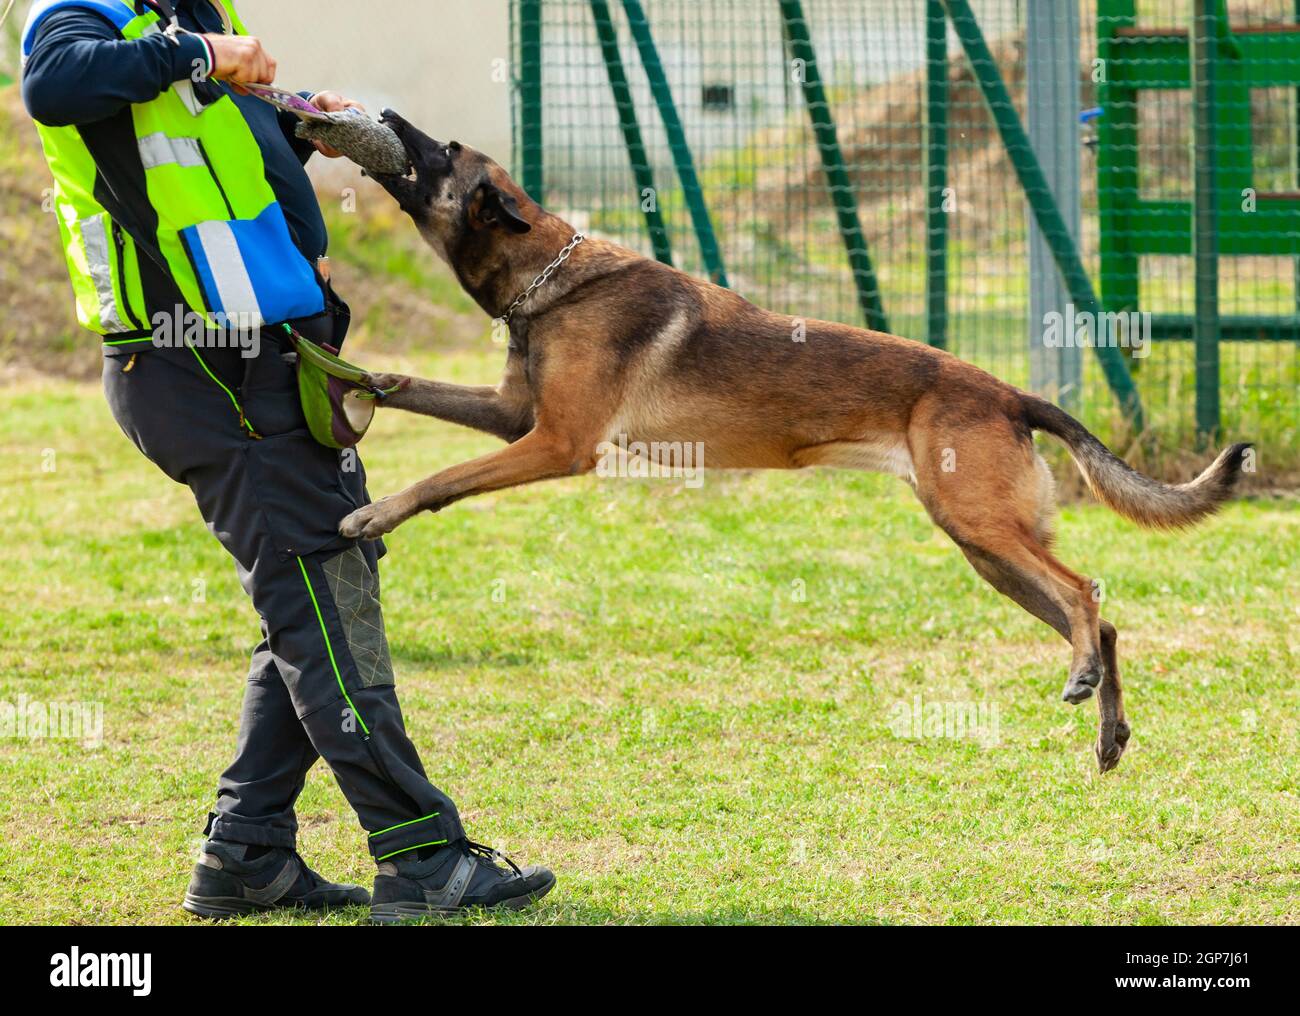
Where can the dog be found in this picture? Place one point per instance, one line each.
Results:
(607, 345)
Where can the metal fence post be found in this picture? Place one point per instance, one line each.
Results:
(1205, 34)
(636, 150)
(530, 98)
(936, 174)
(1052, 82)
(663, 95)
(843, 195)
(1034, 184)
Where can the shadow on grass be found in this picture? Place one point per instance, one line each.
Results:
(559, 913)
(445, 659)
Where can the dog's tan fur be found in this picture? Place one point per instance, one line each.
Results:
(615, 344)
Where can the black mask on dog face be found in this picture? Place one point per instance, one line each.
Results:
(452, 189)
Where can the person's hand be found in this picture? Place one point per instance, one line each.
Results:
(332, 102)
(241, 58)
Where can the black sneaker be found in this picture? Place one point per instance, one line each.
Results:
(456, 877)
(226, 883)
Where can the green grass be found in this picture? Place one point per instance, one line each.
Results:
(681, 702)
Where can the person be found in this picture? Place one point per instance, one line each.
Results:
(193, 237)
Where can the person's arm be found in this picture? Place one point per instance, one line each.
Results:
(81, 71)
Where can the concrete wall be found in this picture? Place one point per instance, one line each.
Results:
(431, 60)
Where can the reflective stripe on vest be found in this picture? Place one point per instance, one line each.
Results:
(95, 239)
(160, 150)
(223, 271)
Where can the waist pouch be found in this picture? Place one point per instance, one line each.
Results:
(336, 401)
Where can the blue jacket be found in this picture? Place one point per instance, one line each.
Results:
(81, 71)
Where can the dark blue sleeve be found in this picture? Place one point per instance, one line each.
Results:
(80, 70)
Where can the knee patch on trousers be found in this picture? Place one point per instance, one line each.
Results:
(355, 589)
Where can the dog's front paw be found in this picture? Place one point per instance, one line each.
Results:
(373, 520)
(386, 382)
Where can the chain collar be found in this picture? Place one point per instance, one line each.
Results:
(541, 279)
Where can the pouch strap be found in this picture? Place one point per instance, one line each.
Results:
(335, 366)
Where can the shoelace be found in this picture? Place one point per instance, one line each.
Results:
(491, 855)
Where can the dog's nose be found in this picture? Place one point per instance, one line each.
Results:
(393, 120)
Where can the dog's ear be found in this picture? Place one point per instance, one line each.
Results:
(492, 206)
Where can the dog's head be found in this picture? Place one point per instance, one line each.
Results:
(453, 192)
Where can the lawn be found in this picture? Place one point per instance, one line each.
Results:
(684, 701)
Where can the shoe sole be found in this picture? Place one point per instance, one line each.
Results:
(221, 907)
(218, 907)
(408, 910)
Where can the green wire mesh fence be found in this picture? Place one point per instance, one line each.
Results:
(783, 149)
(1198, 192)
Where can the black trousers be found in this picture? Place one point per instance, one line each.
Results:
(321, 682)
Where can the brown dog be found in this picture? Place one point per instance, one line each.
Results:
(611, 345)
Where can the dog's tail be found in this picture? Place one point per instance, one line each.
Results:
(1123, 489)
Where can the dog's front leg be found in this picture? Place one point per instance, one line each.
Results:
(504, 410)
(537, 455)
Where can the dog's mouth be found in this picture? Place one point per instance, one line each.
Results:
(426, 156)
(427, 161)
(400, 127)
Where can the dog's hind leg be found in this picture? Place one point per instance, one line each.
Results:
(1113, 735)
(1049, 597)
(1020, 568)
(1016, 563)
(983, 484)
